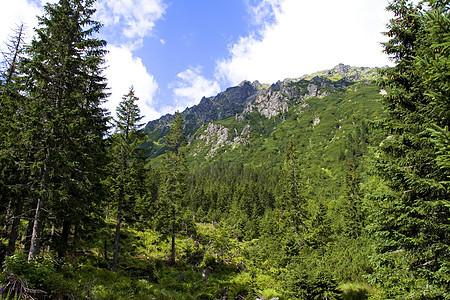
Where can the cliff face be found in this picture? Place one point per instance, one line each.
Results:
(268, 103)
(216, 136)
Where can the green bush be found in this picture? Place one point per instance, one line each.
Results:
(40, 274)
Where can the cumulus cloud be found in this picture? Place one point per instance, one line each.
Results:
(125, 70)
(191, 87)
(136, 17)
(44, 2)
(263, 11)
(307, 36)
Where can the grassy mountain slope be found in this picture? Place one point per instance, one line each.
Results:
(324, 114)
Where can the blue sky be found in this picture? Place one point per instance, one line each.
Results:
(174, 52)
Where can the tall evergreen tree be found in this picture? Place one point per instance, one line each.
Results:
(65, 124)
(125, 163)
(12, 179)
(351, 210)
(414, 219)
(290, 199)
(283, 228)
(172, 210)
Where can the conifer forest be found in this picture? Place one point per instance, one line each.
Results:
(334, 185)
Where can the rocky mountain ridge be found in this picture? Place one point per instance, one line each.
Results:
(225, 104)
(248, 98)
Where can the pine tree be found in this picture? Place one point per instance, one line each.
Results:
(414, 219)
(13, 177)
(283, 228)
(173, 214)
(126, 161)
(290, 199)
(352, 206)
(65, 124)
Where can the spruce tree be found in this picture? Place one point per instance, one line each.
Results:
(283, 228)
(290, 199)
(12, 154)
(126, 162)
(64, 123)
(352, 204)
(412, 223)
(173, 214)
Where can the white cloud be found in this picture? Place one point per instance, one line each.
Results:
(191, 87)
(44, 2)
(124, 70)
(135, 17)
(308, 36)
(264, 10)
(16, 12)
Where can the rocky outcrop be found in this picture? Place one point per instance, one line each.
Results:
(347, 73)
(278, 98)
(314, 88)
(316, 121)
(243, 138)
(215, 131)
(268, 103)
(217, 136)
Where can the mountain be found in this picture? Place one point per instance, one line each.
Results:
(243, 114)
(225, 104)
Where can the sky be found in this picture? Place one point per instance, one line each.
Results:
(174, 52)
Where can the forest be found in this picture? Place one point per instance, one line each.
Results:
(345, 195)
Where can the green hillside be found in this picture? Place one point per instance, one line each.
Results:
(339, 117)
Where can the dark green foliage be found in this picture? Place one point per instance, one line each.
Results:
(352, 204)
(126, 166)
(303, 283)
(290, 199)
(63, 122)
(171, 213)
(330, 199)
(41, 277)
(13, 177)
(412, 222)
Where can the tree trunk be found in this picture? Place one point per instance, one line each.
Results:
(8, 215)
(51, 240)
(172, 250)
(62, 247)
(35, 242)
(13, 66)
(14, 228)
(116, 241)
(27, 240)
(76, 232)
